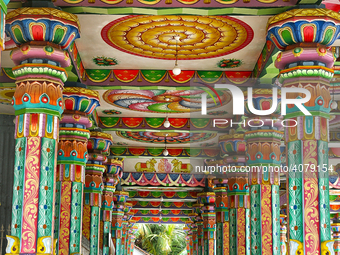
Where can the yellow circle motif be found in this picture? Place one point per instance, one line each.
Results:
(199, 36)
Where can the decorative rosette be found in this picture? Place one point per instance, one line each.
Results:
(163, 101)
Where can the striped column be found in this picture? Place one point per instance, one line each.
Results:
(71, 159)
(132, 237)
(110, 181)
(40, 59)
(194, 240)
(263, 155)
(199, 224)
(119, 198)
(222, 217)
(234, 147)
(304, 37)
(336, 233)
(97, 146)
(209, 221)
(283, 235)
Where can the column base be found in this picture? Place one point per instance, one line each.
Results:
(44, 245)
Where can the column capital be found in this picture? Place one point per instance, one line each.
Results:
(298, 26)
(42, 25)
(79, 100)
(206, 197)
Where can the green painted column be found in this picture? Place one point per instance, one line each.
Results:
(304, 36)
(264, 154)
(72, 156)
(98, 146)
(119, 198)
(209, 221)
(38, 104)
(222, 217)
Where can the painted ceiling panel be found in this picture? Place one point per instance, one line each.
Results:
(147, 42)
(147, 138)
(157, 102)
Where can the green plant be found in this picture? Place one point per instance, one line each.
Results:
(166, 239)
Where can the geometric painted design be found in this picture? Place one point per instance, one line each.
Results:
(163, 101)
(201, 37)
(169, 137)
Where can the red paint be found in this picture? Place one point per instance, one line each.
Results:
(38, 33)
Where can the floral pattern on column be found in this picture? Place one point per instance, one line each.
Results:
(209, 221)
(304, 37)
(71, 160)
(38, 105)
(97, 146)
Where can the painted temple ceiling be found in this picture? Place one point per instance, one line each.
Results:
(147, 42)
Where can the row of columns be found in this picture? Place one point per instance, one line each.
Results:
(305, 62)
(64, 185)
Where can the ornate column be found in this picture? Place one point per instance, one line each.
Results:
(71, 160)
(263, 162)
(132, 231)
(303, 36)
(128, 214)
(194, 239)
(336, 233)
(97, 146)
(40, 59)
(222, 216)
(209, 220)
(234, 146)
(119, 198)
(124, 232)
(283, 235)
(110, 181)
(188, 239)
(199, 223)
(126, 218)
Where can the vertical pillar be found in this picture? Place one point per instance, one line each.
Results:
(113, 173)
(71, 160)
(97, 146)
(283, 235)
(132, 234)
(119, 197)
(124, 232)
(194, 240)
(222, 216)
(303, 36)
(336, 233)
(129, 214)
(209, 221)
(263, 159)
(187, 238)
(234, 146)
(126, 218)
(40, 59)
(199, 223)
(110, 181)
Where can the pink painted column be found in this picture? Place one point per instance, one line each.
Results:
(40, 59)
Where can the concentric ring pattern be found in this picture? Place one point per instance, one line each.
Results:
(200, 36)
(163, 101)
(171, 137)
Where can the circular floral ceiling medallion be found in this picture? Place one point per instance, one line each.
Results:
(171, 137)
(163, 101)
(200, 37)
